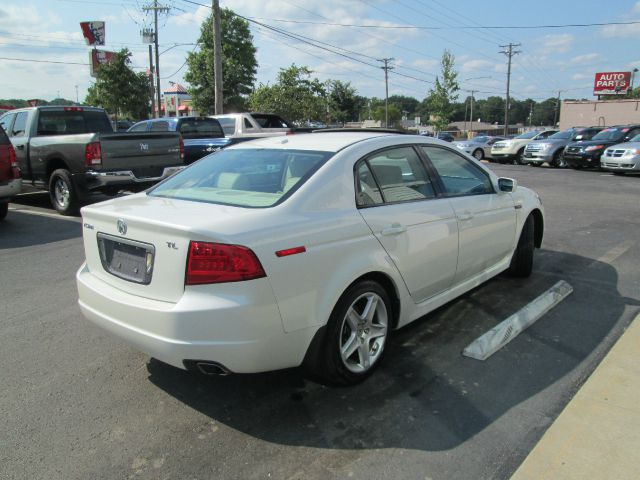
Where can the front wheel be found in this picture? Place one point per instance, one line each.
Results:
(356, 335)
(519, 158)
(4, 208)
(62, 192)
(522, 260)
(558, 160)
(478, 154)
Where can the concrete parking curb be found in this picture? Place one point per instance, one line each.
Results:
(597, 435)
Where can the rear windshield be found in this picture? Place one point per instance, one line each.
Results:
(245, 177)
(610, 134)
(200, 128)
(67, 122)
(270, 121)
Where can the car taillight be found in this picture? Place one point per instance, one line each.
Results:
(181, 149)
(218, 263)
(13, 163)
(290, 132)
(73, 109)
(92, 154)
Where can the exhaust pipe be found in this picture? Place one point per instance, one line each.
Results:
(212, 368)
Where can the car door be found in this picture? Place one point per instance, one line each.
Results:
(397, 199)
(20, 140)
(486, 219)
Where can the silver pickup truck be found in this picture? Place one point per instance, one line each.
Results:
(72, 151)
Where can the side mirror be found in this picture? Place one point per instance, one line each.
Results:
(507, 185)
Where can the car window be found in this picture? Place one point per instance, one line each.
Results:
(394, 175)
(67, 122)
(245, 177)
(269, 121)
(228, 125)
(19, 125)
(564, 135)
(459, 176)
(527, 135)
(544, 135)
(159, 126)
(5, 121)
(632, 133)
(367, 191)
(247, 123)
(200, 128)
(139, 127)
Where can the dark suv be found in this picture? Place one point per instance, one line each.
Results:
(588, 153)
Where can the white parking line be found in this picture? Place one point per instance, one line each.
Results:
(614, 253)
(496, 338)
(44, 214)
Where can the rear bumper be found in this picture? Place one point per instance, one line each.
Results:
(240, 330)
(10, 189)
(98, 180)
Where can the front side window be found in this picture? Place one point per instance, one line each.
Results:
(245, 177)
(527, 135)
(459, 176)
(392, 176)
(20, 125)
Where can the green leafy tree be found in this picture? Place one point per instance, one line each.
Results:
(344, 103)
(120, 90)
(295, 96)
(239, 64)
(395, 115)
(406, 105)
(444, 93)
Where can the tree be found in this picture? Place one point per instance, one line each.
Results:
(344, 103)
(239, 64)
(407, 105)
(395, 115)
(444, 93)
(119, 89)
(295, 95)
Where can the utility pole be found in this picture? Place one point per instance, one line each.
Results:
(509, 52)
(555, 115)
(531, 114)
(386, 69)
(155, 113)
(471, 114)
(163, 9)
(77, 101)
(217, 58)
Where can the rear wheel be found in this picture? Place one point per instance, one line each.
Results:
(62, 192)
(522, 260)
(4, 208)
(478, 154)
(356, 335)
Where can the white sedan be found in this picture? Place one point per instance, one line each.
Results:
(306, 249)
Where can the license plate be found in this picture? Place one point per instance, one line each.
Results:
(126, 259)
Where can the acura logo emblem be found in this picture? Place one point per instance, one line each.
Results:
(122, 227)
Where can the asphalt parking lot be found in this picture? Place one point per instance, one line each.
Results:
(77, 403)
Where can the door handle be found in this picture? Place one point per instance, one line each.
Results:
(465, 216)
(394, 229)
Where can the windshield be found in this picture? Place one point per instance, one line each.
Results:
(245, 177)
(481, 139)
(200, 128)
(527, 135)
(635, 139)
(610, 134)
(564, 135)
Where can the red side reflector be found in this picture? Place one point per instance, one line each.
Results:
(290, 251)
(181, 149)
(218, 263)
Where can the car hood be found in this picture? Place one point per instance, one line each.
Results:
(469, 144)
(588, 143)
(629, 145)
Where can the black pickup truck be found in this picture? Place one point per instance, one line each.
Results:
(72, 151)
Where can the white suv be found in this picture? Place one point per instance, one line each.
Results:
(513, 149)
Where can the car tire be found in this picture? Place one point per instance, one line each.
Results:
(478, 154)
(350, 352)
(535, 164)
(558, 160)
(4, 208)
(522, 260)
(619, 173)
(62, 192)
(518, 159)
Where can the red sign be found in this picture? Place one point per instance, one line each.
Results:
(611, 83)
(93, 32)
(98, 58)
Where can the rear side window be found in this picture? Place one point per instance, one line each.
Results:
(139, 127)
(270, 121)
(459, 176)
(392, 176)
(228, 125)
(68, 122)
(19, 125)
(159, 126)
(246, 177)
(200, 128)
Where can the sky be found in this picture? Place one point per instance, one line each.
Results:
(43, 54)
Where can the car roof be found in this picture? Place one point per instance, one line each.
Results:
(319, 141)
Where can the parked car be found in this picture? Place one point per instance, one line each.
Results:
(512, 149)
(479, 147)
(201, 135)
(10, 182)
(551, 149)
(121, 125)
(588, 153)
(72, 152)
(446, 136)
(623, 157)
(306, 250)
(240, 127)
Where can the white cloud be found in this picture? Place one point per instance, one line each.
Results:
(581, 76)
(636, 7)
(621, 31)
(190, 18)
(559, 43)
(479, 66)
(585, 59)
